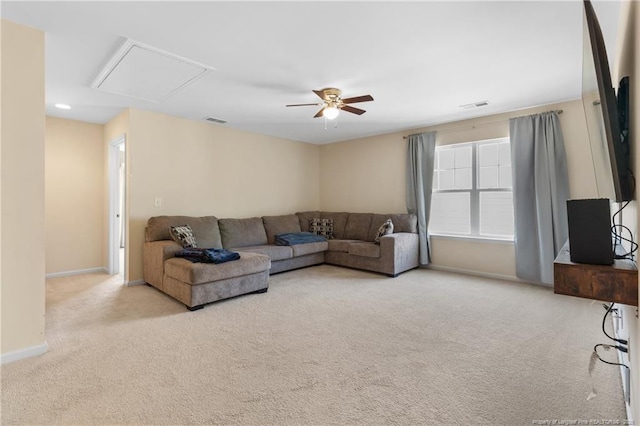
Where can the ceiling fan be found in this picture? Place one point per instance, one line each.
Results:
(333, 103)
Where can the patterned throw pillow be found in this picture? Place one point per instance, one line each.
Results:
(322, 227)
(385, 229)
(183, 235)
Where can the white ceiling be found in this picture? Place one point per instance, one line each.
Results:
(419, 60)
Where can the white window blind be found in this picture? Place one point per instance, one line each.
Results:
(472, 193)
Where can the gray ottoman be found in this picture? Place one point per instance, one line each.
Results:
(196, 284)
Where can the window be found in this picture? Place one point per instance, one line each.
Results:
(472, 193)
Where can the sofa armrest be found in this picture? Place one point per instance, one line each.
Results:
(399, 252)
(153, 256)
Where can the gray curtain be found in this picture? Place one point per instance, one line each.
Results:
(420, 154)
(540, 191)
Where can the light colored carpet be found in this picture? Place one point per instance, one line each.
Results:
(325, 345)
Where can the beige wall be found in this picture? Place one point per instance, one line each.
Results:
(491, 258)
(117, 127)
(628, 63)
(197, 168)
(364, 175)
(22, 222)
(74, 195)
(368, 175)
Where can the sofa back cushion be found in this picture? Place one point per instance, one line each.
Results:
(358, 226)
(401, 223)
(274, 225)
(377, 220)
(205, 229)
(405, 223)
(242, 232)
(305, 219)
(339, 222)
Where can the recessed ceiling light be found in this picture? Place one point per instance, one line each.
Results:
(62, 106)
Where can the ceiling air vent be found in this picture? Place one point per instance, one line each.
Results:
(475, 105)
(144, 72)
(215, 120)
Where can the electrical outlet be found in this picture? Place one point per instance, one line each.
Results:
(157, 202)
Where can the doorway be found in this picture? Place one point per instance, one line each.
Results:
(117, 207)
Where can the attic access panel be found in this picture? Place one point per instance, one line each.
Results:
(146, 73)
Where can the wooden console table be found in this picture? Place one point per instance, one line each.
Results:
(610, 283)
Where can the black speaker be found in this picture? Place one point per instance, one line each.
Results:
(590, 231)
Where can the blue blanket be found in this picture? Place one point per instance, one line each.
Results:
(293, 238)
(208, 255)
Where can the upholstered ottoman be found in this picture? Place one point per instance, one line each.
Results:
(196, 284)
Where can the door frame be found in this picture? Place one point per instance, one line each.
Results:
(113, 266)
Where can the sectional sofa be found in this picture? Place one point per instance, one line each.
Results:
(351, 245)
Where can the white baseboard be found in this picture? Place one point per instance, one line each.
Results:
(76, 272)
(135, 282)
(24, 353)
(475, 273)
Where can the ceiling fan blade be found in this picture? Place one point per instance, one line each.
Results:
(353, 110)
(319, 114)
(364, 98)
(303, 105)
(321, 94)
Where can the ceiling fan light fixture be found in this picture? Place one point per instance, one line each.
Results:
(330, 112)
(333, 103)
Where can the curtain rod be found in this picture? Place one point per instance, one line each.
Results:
(473, 126)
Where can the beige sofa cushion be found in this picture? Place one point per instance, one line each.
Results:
(274, 225)
(377, 220)
(339, 222)
(341, 245)
(305, 218)
(242, 232)
(309, 248)
(204, 228)
(364, 249)
(401, 223)
(200, 273)
(274, 252)
(358, 226)
(405, 223)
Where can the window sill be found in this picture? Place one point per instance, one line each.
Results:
(475, 239)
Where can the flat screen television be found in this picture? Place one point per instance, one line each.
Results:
(606, 115)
